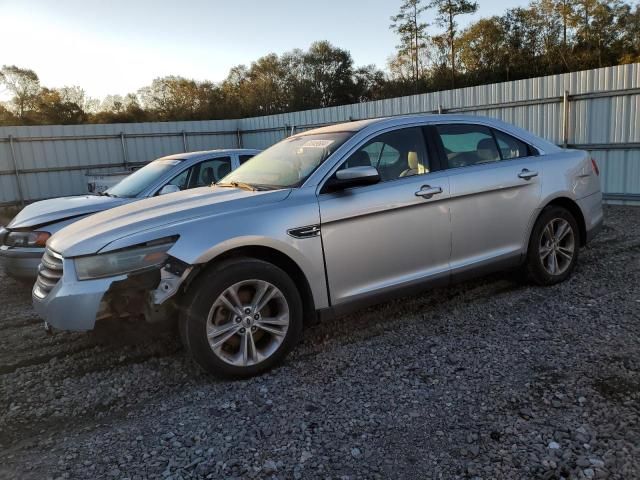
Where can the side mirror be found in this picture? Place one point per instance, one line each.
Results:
(169, 189)
(353, 177)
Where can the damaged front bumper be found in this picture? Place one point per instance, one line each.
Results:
(75, 305)
(20, 263)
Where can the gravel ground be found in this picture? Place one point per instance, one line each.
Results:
(487, 379)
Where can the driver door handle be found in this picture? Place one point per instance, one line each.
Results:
(527, 174)
(427, 191)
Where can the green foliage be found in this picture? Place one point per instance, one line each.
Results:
(546, 37)
(413, 38)
(447, 11)
(23, 85)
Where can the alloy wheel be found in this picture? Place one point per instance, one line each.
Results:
(557, 246)
(248, 322)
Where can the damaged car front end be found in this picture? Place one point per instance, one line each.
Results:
(133, 282)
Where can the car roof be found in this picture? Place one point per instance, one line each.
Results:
(208, 153)
(358, 125)
(376, 124)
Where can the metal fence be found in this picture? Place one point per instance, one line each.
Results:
(596, 110)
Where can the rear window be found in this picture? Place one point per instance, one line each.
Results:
(511, 147)
(466, 145)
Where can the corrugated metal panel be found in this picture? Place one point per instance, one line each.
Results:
(605, 120)
(620, 170)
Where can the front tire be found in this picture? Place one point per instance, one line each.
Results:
(553, 246)
(241, 317)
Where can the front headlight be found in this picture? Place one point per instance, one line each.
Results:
(128, 260)
(26, 239)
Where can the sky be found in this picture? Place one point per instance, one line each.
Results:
(118, 46)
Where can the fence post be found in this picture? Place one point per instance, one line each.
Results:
(16, 170)
(565, 119)
(125, 155)
(239, 136)
(184, 141)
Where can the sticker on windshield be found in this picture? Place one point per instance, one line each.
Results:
(317, 144)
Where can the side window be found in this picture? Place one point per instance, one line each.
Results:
(182, 179)
(212, 171)
(396, 154)
(244, 158)
(511, 147)
(466, 145)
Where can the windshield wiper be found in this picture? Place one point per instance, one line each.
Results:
(107, 194)
(242, 185)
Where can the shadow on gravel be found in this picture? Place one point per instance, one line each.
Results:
(122, 332)
(373, 321)
(616, 387)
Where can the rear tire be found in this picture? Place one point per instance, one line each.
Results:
(553, 246)
(241, 318)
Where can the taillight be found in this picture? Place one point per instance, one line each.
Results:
(596, 170)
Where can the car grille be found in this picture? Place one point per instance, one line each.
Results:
(49, 273)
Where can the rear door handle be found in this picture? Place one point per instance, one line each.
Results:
(427, 191)
(527, 174)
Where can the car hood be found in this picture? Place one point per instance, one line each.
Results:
(91, 235)
(57, 209)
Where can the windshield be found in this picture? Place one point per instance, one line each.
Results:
(139, 180)
(289, 162)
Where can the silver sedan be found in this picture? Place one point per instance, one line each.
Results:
(321, 223)
(22, 242)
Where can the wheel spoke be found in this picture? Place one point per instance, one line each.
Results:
(565, 252)
(270, 329)
(554, 262)
(233, 292)
(258, 295)
(281, 320)
(265, 299)
(252, 347)
(563, 230)
(545, 251)
(549, 233)
(223, 337)
(220, 329)
(248, 349)
(230, 306)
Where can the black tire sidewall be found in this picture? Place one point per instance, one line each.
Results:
(206, 289)
(535, 268)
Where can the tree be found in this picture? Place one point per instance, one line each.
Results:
(269, 85)
(24, 86)
(172, 98)
(368, 83)
(448, 10)
(629, 26)
(566, 10)
(53, 108)
(412, 34)
(482, 52)
(7, 117)
(328, 73)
